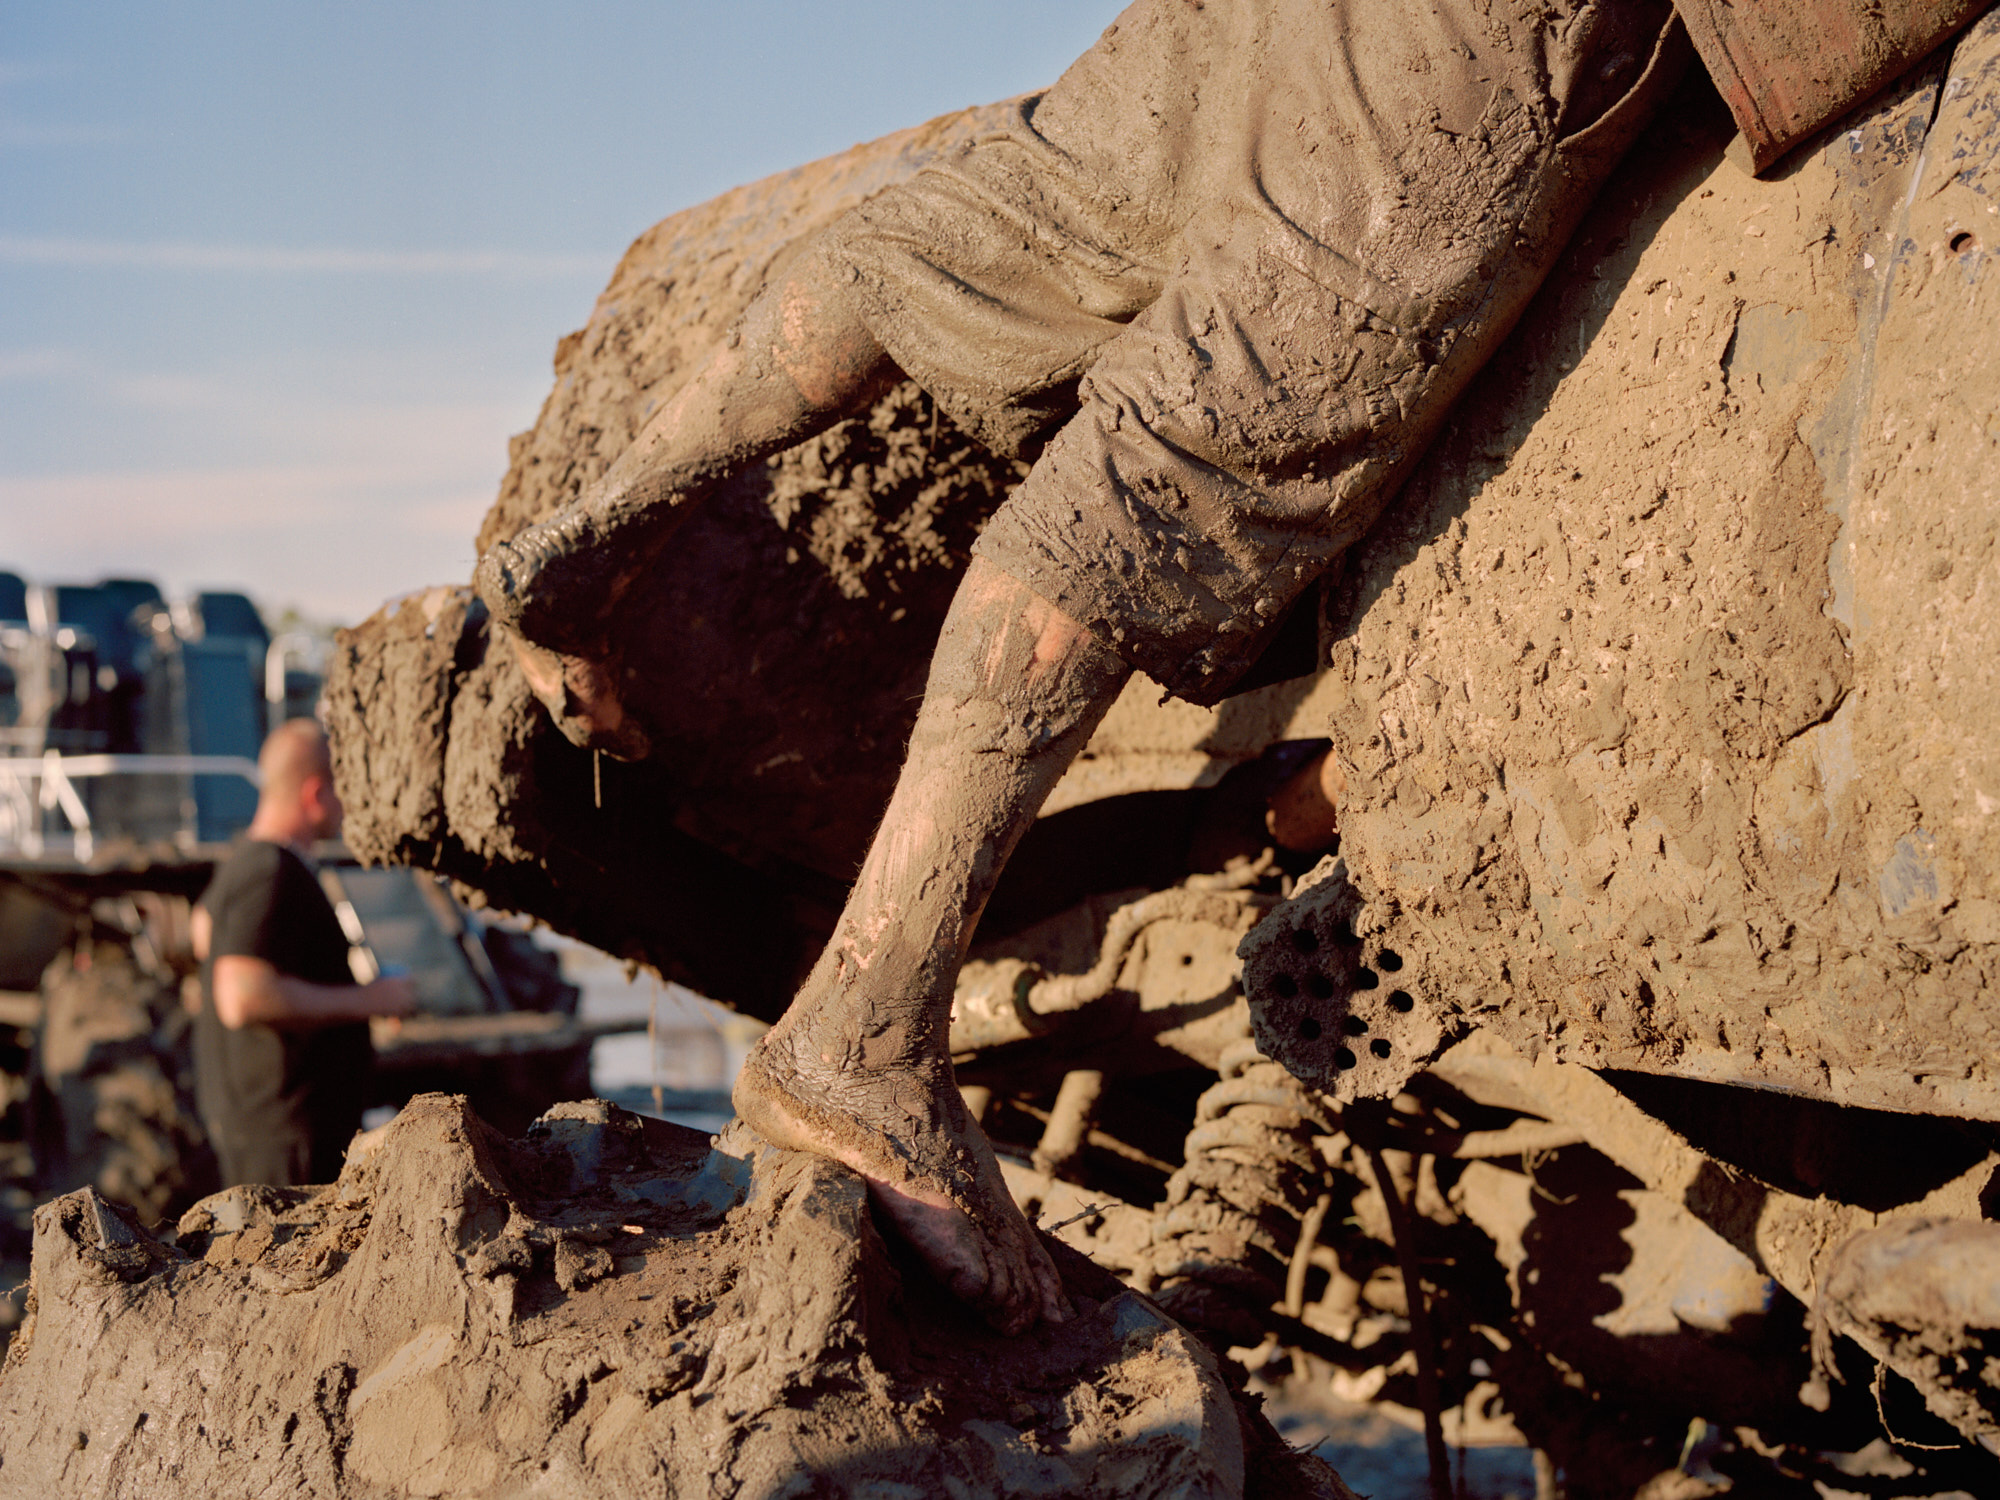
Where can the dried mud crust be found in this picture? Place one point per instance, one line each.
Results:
(604, 1308)
(777, 650)
(1925, 1297)
(1666, 696)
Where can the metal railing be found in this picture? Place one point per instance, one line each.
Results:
(35, 789)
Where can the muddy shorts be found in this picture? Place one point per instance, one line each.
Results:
(1224, 279)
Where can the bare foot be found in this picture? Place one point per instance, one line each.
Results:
(926, 1164)
(581, 695)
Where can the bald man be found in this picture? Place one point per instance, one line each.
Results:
(281, 1046)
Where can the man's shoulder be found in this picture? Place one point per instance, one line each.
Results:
(266, 902)
(253, 863)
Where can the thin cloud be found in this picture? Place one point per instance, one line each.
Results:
(419, 475)
(333, 540)
(21, 70)
(145, 506)
(76, 254)
(29, 137)
(40, 364)
(157, 392)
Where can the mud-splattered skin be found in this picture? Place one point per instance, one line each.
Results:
(799, 362)
(858, 1069)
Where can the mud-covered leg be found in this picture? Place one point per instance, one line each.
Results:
(858, 1069)
(799, 360)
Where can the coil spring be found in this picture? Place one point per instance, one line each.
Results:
(1223, 1238)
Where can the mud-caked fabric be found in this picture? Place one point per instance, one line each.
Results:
(1226, 276)
(280, 1105)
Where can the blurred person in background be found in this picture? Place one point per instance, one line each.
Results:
(281, 1048)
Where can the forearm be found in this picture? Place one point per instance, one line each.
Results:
(310, 1004)
(249, 992)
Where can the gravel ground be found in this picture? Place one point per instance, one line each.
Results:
(1383, 1458)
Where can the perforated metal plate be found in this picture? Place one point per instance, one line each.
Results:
(1342, 1011)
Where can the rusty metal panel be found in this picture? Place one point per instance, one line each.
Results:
(1787, 67)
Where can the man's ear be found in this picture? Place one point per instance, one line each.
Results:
(316, 791)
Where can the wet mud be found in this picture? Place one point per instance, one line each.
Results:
(1663, 694)
(605, 1307)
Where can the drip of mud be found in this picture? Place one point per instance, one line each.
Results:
(607, 1307)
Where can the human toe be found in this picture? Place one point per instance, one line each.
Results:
(1052, 1302)
(581, 698)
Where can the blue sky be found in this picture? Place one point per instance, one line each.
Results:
(277, 280)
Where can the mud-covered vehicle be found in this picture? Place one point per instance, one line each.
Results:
(1627, 1076)
(129, 732)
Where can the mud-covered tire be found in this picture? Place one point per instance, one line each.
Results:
(113, 1105)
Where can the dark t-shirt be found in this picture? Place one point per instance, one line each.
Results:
(280, 1104)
